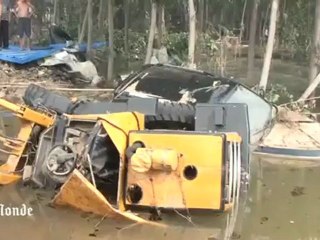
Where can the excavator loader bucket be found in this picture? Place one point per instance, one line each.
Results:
(14, 148)
(79, 193)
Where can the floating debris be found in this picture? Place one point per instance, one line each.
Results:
(297, 191)
(263, 220)
(235, 235)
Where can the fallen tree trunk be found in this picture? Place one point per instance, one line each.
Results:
(310, 89)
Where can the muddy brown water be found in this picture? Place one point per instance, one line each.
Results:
(282, 203)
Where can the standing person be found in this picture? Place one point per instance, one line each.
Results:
(24, 11)
(4, 24)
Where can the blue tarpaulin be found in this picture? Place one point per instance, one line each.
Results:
(15, 55)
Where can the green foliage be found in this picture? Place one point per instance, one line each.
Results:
(207, 44)
(177, 43)
(137, 43)
(296, 28)
(278, 94)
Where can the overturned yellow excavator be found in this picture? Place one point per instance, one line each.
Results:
(128, 156)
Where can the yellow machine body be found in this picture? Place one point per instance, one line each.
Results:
(81, 194)
(118, 126)
(15, 147)
(171, 169)
(180, 170)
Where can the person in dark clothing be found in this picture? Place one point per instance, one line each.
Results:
(24, 11)
(4, 24)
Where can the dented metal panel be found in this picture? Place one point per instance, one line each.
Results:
(79, 193)
(196, 184)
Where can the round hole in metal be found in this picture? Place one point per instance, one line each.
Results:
(134, 193)
(190, 172)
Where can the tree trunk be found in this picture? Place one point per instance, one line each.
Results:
(192, 34)
(55, 11)
(152, 31)
(83, 28)
(252, 42)
(146, 10)
(308, 92)
(126, 27)
(207, 15)
(101, 13)
(315, 53)
(186, 14)
(162, 23)
(278, 30)
(260, 28)
(201, 15)
(242, 20)
(89, 44)
(269, 49)
(265, 24)
(111, 47)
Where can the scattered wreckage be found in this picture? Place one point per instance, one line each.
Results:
(294, 136)
(82, 70)
(170, 138)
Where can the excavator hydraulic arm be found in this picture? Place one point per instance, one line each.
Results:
(15, 148)
(28, 114)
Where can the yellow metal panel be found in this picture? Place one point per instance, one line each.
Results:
(37, 117)
(28, 114)
(9, 106)
(7, 170)
(173, 189)
(6, 179)
(118, 126)
(233, 137)
(79, 193)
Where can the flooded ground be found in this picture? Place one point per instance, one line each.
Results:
(283, 201)
(282, 204)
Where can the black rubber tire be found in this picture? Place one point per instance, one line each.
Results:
(36, 96)
(173, 116)
(35, 134)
